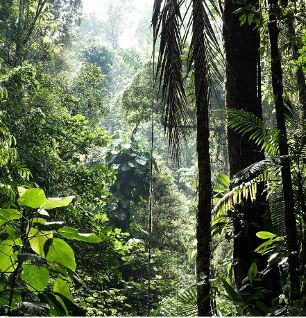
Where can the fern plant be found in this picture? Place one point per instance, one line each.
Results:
(244, 186)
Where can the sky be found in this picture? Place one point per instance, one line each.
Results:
(90, 6)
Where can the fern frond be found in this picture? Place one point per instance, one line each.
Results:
(247, 123)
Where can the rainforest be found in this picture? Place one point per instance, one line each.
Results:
(152, 158)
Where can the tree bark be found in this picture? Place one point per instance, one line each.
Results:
(203, 229)
(242, 87)
(277, 84)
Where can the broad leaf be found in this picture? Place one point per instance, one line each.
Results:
(59, 251)
(142, 161)
(74, 234)
(8, 257)
(73, 309)
(9, 214)
(224, 179)
(37, 278)
(52, 203)
(252, 272)
(32, 198)
(233, 294)
(61, 287)
(56, 308)
(39, 237)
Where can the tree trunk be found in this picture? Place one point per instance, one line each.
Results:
(203, 230)
(277, 84)
(242, 86)
(299, 74)
(19, 32)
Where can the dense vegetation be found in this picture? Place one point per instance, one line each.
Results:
(165, 186)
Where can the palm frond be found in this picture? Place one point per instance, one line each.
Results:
(247, 123)
(188, 301)
(247, 182)
(166, 24)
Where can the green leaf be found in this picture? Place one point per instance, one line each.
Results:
(37, 278)
(109, 158)
(250, 18)
(73, 309)
(8, 256)
(265, 235)
(224, 179)
(125, 203)
(263, 307)
(59, 251)
(252, 272)
(125, 167)
(9, 214)
(142, 161)
(74, 234)
(233, 294)
(48, 226)
(52, 203)
(61, 287)
(242, 18)
(32, 198)
(38, 237)
(238, 10)
(56, 308)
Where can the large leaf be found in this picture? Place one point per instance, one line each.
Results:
(233, 294)
(8, 257)
(52, 203)
(252, 272)
(224, 179)
(9, 214)
(59, 251)
(74, 234)
(32, 198)
(142, 161)
(73, 309)
(39, 237)
(56, 308)
(37, 278)
(61, 287)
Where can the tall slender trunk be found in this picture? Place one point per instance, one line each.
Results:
(242, 88)
(299, 74)
(277, 84)
(203, 230)
(19, 32)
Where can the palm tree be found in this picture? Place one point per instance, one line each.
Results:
(166, 21)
